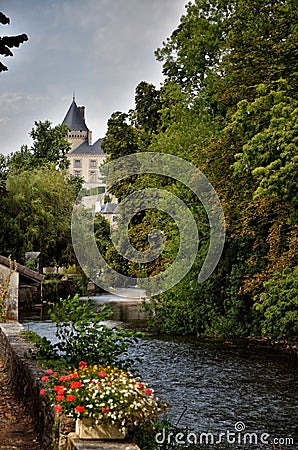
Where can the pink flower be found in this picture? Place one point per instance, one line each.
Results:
(58, 408)
(42, 391)
(102, 374)
(49, 371)
(79, 409)
(45, 378)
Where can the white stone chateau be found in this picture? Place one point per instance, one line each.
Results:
(85, 157)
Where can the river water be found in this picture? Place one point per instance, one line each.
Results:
(213, 386)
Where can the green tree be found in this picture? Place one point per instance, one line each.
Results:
(194, 49)
(40, 203)
(267, 166)
(8, 42)
(225, 108)
(277, 306)
(260, 47)
(50, 145)
(147, 107)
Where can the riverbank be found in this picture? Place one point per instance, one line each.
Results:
(212, 383)
(281, 346)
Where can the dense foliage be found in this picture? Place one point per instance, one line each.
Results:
(229, 106)
(37, 197)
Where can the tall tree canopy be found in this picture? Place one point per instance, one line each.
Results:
(40, 202)
(37, 197)
(50, 145)
(228, 105)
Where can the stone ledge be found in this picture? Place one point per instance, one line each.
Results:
(24, 380)
(75, 443)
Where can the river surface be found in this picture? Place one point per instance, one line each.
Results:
(213, 386)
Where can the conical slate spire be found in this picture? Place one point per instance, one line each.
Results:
(74, 119)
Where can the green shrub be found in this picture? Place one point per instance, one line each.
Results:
(83, 335)
(277, 306)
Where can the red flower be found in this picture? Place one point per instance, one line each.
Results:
(105, 410)
(58, 408)
(42, 391)
(55, 374)
(79, 409)
(62, 378)
(75, 384)
(74, 375)
(45, 378)
(70, 398)
(149, 392)
(59, 398)
(59, 389)
(139, 385)
(49, 371)
(102, 374)
(82, 365)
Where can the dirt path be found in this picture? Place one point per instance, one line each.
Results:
(16, 431)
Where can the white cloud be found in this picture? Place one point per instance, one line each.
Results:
(100, 48)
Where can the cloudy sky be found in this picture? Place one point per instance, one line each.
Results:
(99, 49)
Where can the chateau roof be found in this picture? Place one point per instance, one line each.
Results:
(86, 149)
(74, 119)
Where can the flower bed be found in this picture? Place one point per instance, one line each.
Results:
(102, 394)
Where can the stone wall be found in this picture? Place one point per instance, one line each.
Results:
(24, 378)
(12, 299)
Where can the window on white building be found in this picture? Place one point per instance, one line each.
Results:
(92, 163)
(92, 176)
(77, 173)
(77, 163)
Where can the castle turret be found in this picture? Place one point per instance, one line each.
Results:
(84, 157)
(75, 121)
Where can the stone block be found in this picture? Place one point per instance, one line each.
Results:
(74, 443)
